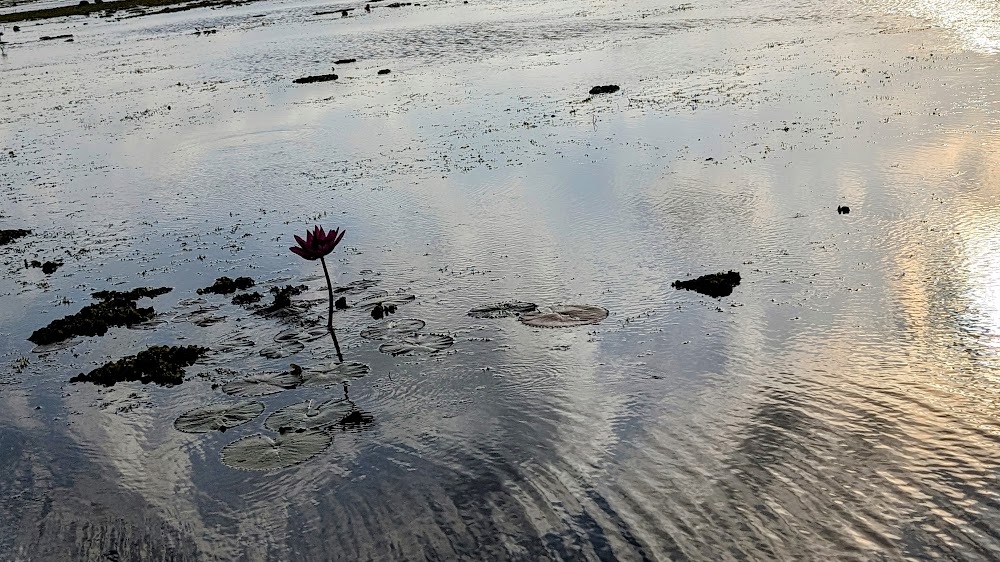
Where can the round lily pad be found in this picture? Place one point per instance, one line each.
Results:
(309, 415)
(393, 330)
(398, 299)
(264, 383)
(417, 343)
(218, 417)
(302, 334)
(564, 316)
(282, 349)
(334, 373)
(260, 452)
(356, 287)
(502, 309)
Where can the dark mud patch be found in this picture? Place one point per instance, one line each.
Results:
(314, 79)
(227, 286)
(715, 285)
(115, 309)
(8, 236)
(609, 89)
(160, 364)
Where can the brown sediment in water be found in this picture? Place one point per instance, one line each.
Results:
(160, 364)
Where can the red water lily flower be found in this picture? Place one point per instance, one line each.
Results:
(318, 243)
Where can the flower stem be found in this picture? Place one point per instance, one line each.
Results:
(329, 322)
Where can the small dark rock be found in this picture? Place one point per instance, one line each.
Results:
(843, 210)
(317, 78)
(225, 286)
(17, 28)
(714, 285)
(609, 89)
(341, 303)
(384, 71)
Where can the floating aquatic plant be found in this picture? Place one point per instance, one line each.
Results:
(317, 245)
(502, 309)
(115, 309)
(393, 330)
(715, 285)
(334, 374)
(260, 452)
(417, 344)
(160, 364)
(382, 304)
(309, 415)
(225, 286)
(564, 316)
(8, 236)
(264, 383)
(218, 417)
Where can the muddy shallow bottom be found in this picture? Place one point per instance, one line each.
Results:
(841, 401)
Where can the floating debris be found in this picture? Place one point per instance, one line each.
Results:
(116, 309)
(418, 344)
(843, 210)
(160, 364)
(48, 268)
(382, 310)
(225, 286)
(260, 452)
(8, 236)
(55, 37)
(218, 417)
(334, 374)
(264, 383)
(346, 61)
(309, 415)
(394, 330)
(715, 285)
(609, 89)
(317, 78)
(565, 316)
(341, 303)
(385, 70)
(504, 309)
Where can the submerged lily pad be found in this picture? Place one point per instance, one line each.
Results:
(502, 309)
(309, 415)
(564, 316)
(393, 330)
(260, 452)
(282, 349)
(302, 334)
(160, 364)
(264, 383)
(385, 299)
(334, 374)
(418, 343)
(218, 417)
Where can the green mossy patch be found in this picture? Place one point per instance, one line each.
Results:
(115, 309)
(8, 236)
(226, 286)
(160, 364)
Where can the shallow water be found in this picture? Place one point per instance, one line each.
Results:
(841, 404)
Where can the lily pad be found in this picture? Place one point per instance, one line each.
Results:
(264, 383)
(309, 415)
(218, 417)
(260, 452)
(394, 330)
(504, 309)
(302, 334)
(334, 374)
(385, 299)
(564, 316)
(282, 349)
(417, 344)
(356, 287)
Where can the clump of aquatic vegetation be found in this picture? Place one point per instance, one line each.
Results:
(160, 364)
(226, 286)
(115, 309)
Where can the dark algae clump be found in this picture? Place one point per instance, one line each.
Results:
(225, 286)
(609, 89)
(247, 299)
(283, 297)
(8, 236)
(115, 309)
(716, 285)
(160, 364)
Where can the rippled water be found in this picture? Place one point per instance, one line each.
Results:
(840, 405)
